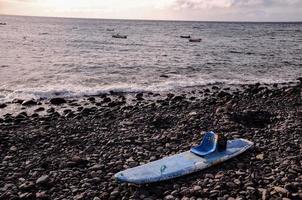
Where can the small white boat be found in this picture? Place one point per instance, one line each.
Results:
(119, 36)
(195, 40)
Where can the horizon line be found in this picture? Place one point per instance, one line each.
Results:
(141, 19)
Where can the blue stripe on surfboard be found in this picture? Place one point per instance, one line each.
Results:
(180, 164)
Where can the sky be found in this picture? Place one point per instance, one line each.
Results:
(201, 10)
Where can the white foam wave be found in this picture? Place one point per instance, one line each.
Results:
(74, 91)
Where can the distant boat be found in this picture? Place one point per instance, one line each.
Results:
(3, 23)
(119, 36)
(195, 40)
(110, 29)
(185, 36)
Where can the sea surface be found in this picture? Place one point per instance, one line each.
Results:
(46, 57)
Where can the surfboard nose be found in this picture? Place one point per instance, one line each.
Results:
(120, 177)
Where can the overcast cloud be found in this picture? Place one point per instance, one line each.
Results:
(218, 10)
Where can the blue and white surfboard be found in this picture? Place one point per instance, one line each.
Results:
(181, 164)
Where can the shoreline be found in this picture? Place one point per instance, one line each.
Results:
(73, 150)
(41, 105)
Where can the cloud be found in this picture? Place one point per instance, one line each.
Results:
(240, 10)
(234, 10)
(208, 4)
(197, 4)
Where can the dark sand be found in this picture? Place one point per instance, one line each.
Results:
(74, 155)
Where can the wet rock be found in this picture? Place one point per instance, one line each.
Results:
(197, 188)
(114, 194)
(86, 111)
(280, 190)
(210, 176)
(17, 101)
(80, 108)
(40, 109)
(260, 156)
(178, 98)
(41, 195)
(292, 187)
(265, 194)
(50, 110)
(42, 180)
(26, 195)
(169, 197)
(231, 185)
(170, 95)
(254, 89)
(220, 110)
(57, 101)
(104, 195)
(29, 103)
(13, 148)
(223, 94)
(21, 115)
(55, 115)
(28, 185)
(250, 188)
(192, 113)
(106, 100)
(77, 161)
(91, 99)
(79, 196)
(96, 167)
(115, 103)
(139, 96)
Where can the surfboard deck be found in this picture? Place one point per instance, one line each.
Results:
(180, 164)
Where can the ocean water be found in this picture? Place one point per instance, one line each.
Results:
(46, 57)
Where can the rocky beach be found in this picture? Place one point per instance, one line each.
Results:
(73, 150)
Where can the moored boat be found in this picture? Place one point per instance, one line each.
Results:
(185, 36)
(195, 40)
(119, 36)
